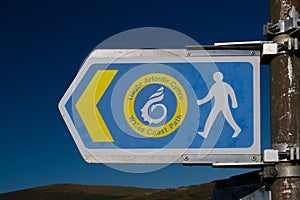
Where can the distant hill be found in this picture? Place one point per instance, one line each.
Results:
(87, 192)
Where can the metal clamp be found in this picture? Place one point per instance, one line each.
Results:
(290, 26)
(286, 171)
(282, 153)
(284, 46)
(281, 171)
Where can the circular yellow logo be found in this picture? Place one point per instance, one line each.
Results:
(155, 105)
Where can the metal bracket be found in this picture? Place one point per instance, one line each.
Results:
(287, 44)
(223, 50)
(290, 26)
(288, 171)
(282, 153)
(221, 161)
(267, 49)
(281, 171)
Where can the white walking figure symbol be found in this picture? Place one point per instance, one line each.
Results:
(220, 91)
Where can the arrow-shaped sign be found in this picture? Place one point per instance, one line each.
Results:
(155, 105)
(87, 108)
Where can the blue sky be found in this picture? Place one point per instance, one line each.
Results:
(43, 44)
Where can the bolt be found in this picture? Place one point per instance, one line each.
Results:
(188, 53)
(186, 158)
(273, 172)
(253, 158)
(252, 53)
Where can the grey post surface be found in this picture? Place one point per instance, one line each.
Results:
(285, 97)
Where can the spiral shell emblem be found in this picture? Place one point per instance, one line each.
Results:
(155, 105)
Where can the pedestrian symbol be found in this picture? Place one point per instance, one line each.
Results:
(220, 92)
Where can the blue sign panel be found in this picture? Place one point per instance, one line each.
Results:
(165, 104)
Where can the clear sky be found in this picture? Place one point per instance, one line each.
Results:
(42, 46)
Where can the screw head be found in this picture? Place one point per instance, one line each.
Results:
(185, 158)
(188, 53)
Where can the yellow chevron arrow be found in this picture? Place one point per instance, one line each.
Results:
(86, 106)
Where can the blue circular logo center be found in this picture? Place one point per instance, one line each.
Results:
(155, 105)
